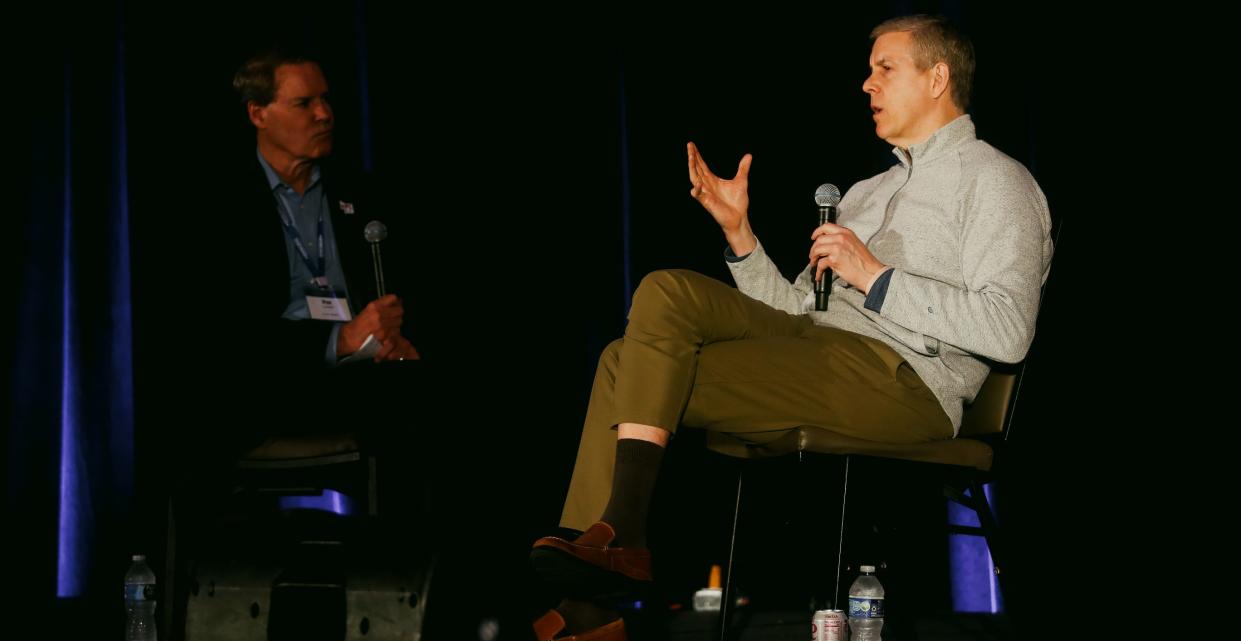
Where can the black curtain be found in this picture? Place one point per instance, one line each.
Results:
(70, 448)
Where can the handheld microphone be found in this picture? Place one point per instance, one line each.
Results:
(375, 232)
(826, 197)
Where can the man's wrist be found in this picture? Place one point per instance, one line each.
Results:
(874, 277)
(741, 240)
(344, 344)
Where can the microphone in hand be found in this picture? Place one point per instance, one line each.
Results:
(827, 196)
(374, 233)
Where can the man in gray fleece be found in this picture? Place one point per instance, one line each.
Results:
(937, 266)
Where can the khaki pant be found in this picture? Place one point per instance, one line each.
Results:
(699, 353)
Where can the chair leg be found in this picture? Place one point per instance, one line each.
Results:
(728, 574)
(372, 498)
(991, 531)
(168, 612)
(840, 541)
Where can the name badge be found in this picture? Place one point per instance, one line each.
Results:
(327, 305)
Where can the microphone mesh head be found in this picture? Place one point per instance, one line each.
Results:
(375, 231)
(827, 195)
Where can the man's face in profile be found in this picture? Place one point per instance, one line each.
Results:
(299, 121)
(900, 94)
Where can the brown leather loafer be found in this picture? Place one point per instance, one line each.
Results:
(592, 547)
(547, 626)
(588, 567)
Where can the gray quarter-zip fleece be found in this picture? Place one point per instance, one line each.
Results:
(967, 231)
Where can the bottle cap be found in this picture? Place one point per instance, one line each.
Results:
(870, 569)
(140, 557)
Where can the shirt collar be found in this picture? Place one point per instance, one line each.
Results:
(957, 132)
(273, 179)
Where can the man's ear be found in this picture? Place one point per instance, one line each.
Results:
(257, 114)
(941, 78)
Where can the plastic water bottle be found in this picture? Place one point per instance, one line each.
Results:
(140, 601)
(866, 606)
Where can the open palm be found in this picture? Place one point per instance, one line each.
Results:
(728, 201)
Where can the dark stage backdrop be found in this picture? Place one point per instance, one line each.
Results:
(540, 173)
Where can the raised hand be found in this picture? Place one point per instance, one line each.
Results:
(728, 201)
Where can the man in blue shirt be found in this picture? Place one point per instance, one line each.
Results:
(286, 99)
(279, 293)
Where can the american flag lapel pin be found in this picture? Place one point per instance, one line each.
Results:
(346, 208)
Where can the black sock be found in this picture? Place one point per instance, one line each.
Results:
(633, 481)
(580, 616)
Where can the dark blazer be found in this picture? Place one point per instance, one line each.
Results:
(262, 259)
(258, 373)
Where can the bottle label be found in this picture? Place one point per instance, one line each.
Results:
(139, 591)
(865, 607)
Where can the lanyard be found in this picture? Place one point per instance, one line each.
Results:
(316, 269)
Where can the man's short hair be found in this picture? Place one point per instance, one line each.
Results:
(255, 80)
(936, 40)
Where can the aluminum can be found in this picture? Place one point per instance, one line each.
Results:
(828, 625)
